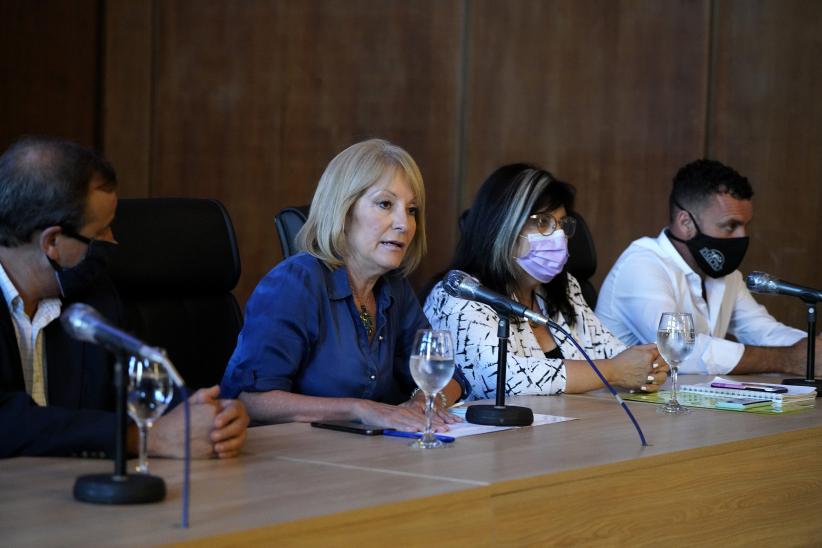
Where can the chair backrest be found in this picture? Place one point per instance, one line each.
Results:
(289, 221)
(177, 264)
(582, 257)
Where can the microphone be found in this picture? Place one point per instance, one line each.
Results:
(84, 323)
(760, 282)
(464, 286)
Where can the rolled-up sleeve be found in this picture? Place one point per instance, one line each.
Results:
(712, 356)
(752, 324)
(280, 324)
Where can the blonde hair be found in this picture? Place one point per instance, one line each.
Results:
(346, 178)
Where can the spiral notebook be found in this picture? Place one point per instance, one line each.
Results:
(794, 394)
(711, 402)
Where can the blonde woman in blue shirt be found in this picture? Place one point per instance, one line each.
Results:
(328, 332)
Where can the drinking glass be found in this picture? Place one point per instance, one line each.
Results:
(432, 366)
(149, 393)
(675, 340)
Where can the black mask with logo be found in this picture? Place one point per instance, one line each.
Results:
(716, 257)
(78, 279)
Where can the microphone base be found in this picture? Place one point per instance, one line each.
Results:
(494, 415)
(110, 489)
(816, 383)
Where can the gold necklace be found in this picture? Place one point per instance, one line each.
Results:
(365, 318)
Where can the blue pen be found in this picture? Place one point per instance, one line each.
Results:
(416, 435)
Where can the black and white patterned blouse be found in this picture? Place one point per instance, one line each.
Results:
(474, 328)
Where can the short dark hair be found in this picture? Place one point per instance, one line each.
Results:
(45, 182)
(500, 210)
(695, 183)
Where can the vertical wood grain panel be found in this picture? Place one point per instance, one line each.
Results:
(767, 123)
(127, 106)
(49, 66)
(251, 99)
(254, 98)
(610, 96)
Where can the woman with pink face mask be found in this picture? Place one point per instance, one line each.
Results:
(515, 241)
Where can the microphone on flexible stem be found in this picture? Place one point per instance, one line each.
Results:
(84, 323)
(460, 284)
(760, 282)
(464, 286)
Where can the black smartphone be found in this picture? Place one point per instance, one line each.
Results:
(350, 426)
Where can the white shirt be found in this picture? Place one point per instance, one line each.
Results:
(474, 328)
(651, 277)
(30, 336)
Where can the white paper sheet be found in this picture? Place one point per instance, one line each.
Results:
(462, 429)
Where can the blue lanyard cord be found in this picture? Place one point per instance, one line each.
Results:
(602, 377)
(187, 457)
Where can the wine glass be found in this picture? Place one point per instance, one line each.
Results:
(432, 366)
(675, 340)
(149, 393)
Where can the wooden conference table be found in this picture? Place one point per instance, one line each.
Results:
(708, 478)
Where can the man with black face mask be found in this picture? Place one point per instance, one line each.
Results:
(692, 267)
(57, 202)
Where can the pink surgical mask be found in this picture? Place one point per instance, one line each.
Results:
(546, 257)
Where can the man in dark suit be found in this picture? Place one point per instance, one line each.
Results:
(57, 202)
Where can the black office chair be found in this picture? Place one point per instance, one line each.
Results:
(175, 269)
(582, 257)
(289, 221)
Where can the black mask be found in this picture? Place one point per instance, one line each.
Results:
(78, 279)
(716, 257)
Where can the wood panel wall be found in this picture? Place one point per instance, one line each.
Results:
(766, 119)
(254, 98)
(608, 96)
(248, 101)
(50, 78)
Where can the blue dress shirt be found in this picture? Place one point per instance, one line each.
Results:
(303, 334)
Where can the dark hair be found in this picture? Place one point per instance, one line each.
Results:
(45, 182)
(491, 227)
(695, 183)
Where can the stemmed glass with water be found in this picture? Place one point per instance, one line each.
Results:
(149, 393)
(432, 367)
(675, 340)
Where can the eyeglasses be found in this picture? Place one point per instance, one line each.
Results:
(546, 224)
